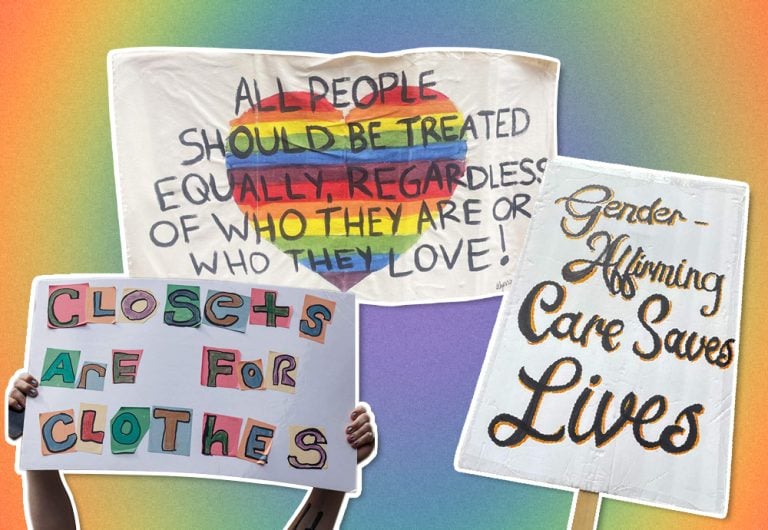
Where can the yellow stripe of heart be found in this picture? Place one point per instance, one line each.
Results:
(291, 226)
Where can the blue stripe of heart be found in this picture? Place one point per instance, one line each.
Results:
(441, 151)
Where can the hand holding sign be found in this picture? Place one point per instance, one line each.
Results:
(50, 503)
(21, 387)
(249, 368)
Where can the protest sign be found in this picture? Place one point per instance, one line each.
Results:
(402, 177)
(612, 367)
(204, 378)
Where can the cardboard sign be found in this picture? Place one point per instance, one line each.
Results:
(612, 367)
(226, 380)
(402, 177)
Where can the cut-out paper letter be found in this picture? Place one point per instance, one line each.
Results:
(227, 310)
(221, 434)
(316, 316)
(307, 448)
(100, 305)
(266, 312)
(92, 376)
(219, 367)
(170, 431)
(57, 431)
(91, 427)
(136, 305)
(250, 375)
(182, 306)
(282, 369)
(128, 428)
(256, 442)
(125, 366)
(66, 305)
(59, 368)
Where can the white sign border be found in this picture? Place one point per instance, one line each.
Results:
(497, 329)
(78, 277)
(427, 49)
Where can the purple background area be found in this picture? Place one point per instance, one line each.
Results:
(418, 369)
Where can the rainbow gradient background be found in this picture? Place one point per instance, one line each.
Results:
(682, 88)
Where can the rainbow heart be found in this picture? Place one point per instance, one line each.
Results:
(345, 196)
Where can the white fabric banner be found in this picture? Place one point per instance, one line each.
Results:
(203, 378)
(402, 177)
(612, 367)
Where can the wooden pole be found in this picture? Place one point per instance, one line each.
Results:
(585, 513)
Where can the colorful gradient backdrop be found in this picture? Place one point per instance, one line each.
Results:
(676, 88)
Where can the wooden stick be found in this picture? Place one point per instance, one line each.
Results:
(585, 513)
